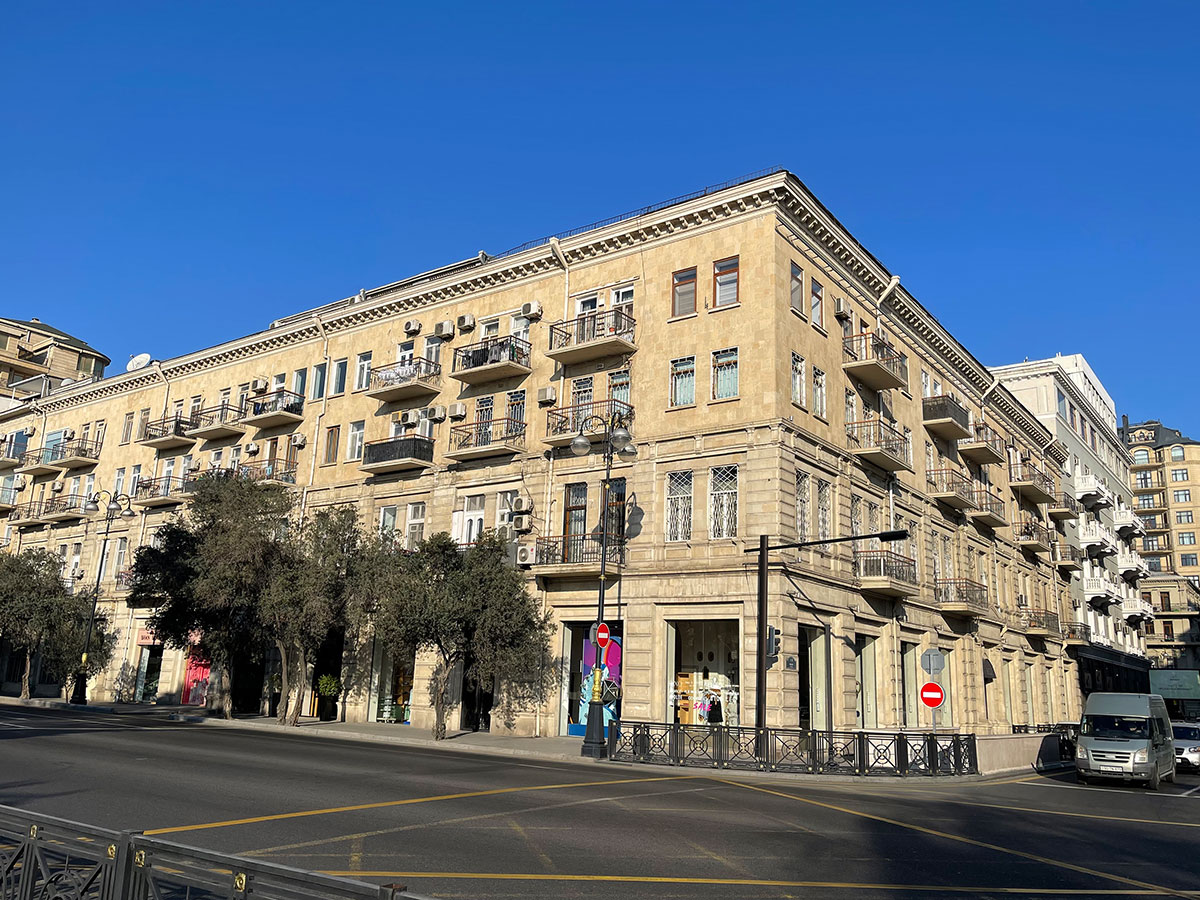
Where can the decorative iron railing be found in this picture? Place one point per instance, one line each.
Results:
(988, 502)
(591, 327)
(574, 419)
(885, 564)
(1028, 473)
(170, 426)
(1043, 620)
(1077, 631)
(872, 348)
(1033, 533)
(269, 470)
(875, 434)
(944, 406)
(279, 401)
(862, 753)
(490, 351)
(417, 370)
(409, 446)
(44, 456)
(1065, 500)
(162, 487)
(221, 414)
(962, 592)
(578, 548)
(486, 433)
(985, 434)
(951, 481)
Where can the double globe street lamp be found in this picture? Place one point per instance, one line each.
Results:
(118, 506)
(618, 444)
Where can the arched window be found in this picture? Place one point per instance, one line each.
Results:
(1176, 453)
(1141, 456)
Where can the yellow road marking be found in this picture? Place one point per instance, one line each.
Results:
(966, 840)
(356, 852)
(756, 882)
(412, 800)
(543, 858)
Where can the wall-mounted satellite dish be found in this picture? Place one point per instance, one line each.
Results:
(138, 362)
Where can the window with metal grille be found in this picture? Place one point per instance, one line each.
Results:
(803, 505)
(824, 511)
(683, 381)
(798, 379)
(722, 501)
(725, 374)
(818, 393)
(679, 506)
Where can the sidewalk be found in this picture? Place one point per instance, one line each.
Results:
(120, 709)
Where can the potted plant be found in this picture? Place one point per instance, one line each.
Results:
(329, 688)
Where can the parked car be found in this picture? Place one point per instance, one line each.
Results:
(1125, 737)
(1187, 745)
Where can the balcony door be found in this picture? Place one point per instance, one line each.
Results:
(586, 310)
(574, 522)
(622, 304)
(582, 394)
(618, 386)
(483, 421)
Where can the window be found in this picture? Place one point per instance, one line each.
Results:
(1187, 559)
(1184, 496)
(1143, 480)
(415, 531)
(433, 349)
(354, 440)
(824, 512)
(119, 482)
(143, 421)
(818, 392)
(1071, 415)
(683, 381)
(318, 380)
(332, 435)
(278, 380)
(1169, 630)
(504, 507)
(1179, 475)
(797, 289)
(803, 505)
(1187, 538)
(618, 386)
(1145, 501)
(300, 382)
(851, 408)
(1194, 580)
(1154, 564)
(135, 475)
(798, 379)
(339, 376)
(926, 390)
(516, 410)
(127, 428)
(362, 371)
(1176, 454)
(1183, 517)
(725, 374)
(683, 292)
(519, 327)
(1164, 598)
(722, 501)
(490, 329)
(818, 303)
(102, 429)
(1062, 405)
(387, 520)
(679, 506)
(725, 282)
(243, 395)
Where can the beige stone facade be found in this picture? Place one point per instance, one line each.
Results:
(774, 371)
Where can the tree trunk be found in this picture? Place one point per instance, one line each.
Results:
(227, 694)
(284, 684)
(301, 659)
(26, 674)
(441, 680)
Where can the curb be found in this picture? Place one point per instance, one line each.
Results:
(47, 703)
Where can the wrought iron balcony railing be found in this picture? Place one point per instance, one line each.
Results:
(962, 592)
(1041, 620)
(490, 351)
(946, 416)
(571, 420)
(885, 564)
(414, 372)
(269, 470)
(168, 427)
(578, 548)
(222, 414)
(873, 361)
(409, 446)
(487, 433)
(165, 487)
(877, 435)
(1077, 631)
(1028, 473)
(279, 401)
(592, 327)
(951, 482)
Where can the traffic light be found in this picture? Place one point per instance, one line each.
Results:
(772, 642)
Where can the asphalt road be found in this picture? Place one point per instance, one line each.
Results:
(456, 825)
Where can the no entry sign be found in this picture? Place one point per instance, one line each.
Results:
(602, 636)
(932, 695)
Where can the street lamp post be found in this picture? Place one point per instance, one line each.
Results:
(763, 549)
(118, 505)
(617, 443)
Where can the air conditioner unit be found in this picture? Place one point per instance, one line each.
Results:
(444, 330)
(841, 308)
(531, 310)
(56, 487)
(436, 414)
(68, 434)
(252, 448)
(522, 504)
(522, 524)
(412, 326)
(30, 430)
(21, 482)
(548, 395)
(466, 322)
(458, 410)
(299, 440)
(259, 385)
(524, 556)
(410, 417)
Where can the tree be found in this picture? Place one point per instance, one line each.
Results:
(470, 609)
(39, 615)
(63, 655)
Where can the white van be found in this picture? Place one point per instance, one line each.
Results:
(1127, 737)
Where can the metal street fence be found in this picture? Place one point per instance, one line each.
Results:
(46, 858)
(793, 750)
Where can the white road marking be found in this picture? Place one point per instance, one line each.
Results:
(13, 724)
(1192, 791)
(1112, 790)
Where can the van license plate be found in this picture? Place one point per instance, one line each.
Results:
(1116, 770)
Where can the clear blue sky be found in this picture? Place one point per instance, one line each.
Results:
(176, 174)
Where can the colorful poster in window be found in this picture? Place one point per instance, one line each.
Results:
(610, 679)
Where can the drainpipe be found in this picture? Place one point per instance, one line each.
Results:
(561, 257)
(312, 471)
(166, 384)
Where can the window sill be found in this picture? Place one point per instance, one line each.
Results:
(819, 328)
(799, 315)
(677, 408)
(326, 465)
(725, 307)
(722, 400)
(800, 406)
(820, 418)
(682, 318)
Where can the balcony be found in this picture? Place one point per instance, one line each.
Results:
(270, 471)
(1101, 591)
(169, 433)
(417, 377)
(945, 417)
(1064, 506)
(78, 454)
(578, 555)
(1128, 523)
(69, 508)
(491, 360)
(984, 446)
(960, 597)
(25, 514)
(1077, 634)
(1096, 539)
(1033, 537)
(397, 454)
(1152, 462)
(988, 510)
(1040, 623)
(162, 491)
(1066, 557)
(886, 573)
(275, 409)
(491, 437)
(10, 453)
(8, 499)
(877, 442)
(26, 361)
(1131, 565)
(1154, 524)
(593, 336)
(588, 419)
(123, 580)
(1135, 610)
(874, 362)
(42, 461)
(1030, 482)
(1156, 543)
(1092, 492)
(217, 422)
(950, 487)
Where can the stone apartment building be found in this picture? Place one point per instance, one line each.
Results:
(777, 379)
(36, 358)
(1098, 528)
(1173, 638)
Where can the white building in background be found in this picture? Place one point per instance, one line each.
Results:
(1095, 521)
